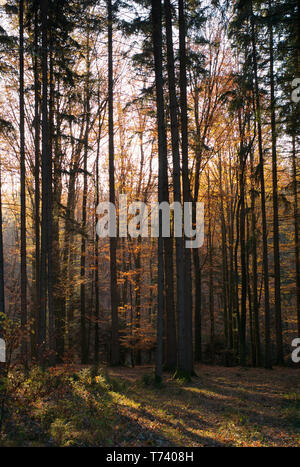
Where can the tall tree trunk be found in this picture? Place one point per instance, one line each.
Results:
(115, 354)
(162, 154)
(198, 306)
(231, 271)
(50, 223)
(268, 356)
(188, 298)
(250, 296)
(236, 315)
(46, 185)
(2, 291)
(97, 200)
(37, 129)
(242, 227)
(297, 228)
(196, 252)
(182, 356)
(59, 280)
(23, 191)
(137, 266)
(254, 264)
(211, 273)
(83, 302)
(67, 262)
(224, 254)
(278, 319)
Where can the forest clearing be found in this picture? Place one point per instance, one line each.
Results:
(223, 407)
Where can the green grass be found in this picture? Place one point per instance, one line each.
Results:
(59, 410)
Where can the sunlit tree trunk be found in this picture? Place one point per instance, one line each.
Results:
(162, 154)
(83, 302)
(97, 200)
(182, 356)
(115, 353)
(37, 138)
(224, 254)
(2, 291)
(211, 272)
(277, 272)
(242, 227)
(23, 190)
(188, 299)
(46, 186)
(297, 228)
(268, 356)
(254, 264)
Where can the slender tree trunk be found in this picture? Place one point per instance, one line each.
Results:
(242, 227)
(188, 298)
(268, 356)
(254, 265)
(97, 290)
(231, 272)
(2, 290)
(23, 192)
(50, 223)
(236, 316)
(196, 252)
(211, 274)
(250, 296)
(137, 265)
(115, 354)
(277, 272)
(46, 170)
(224, 255)
(67, 263)
(297, 228)
(198, 306)
(58, 279)
(37, 129)
(83, 302)
(162, 151)
(182, 356)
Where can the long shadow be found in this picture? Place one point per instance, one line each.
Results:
(194, 422)
(225, 408)
(159, 434)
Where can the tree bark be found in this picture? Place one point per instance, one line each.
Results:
(46, 187)
(83, 304)
(188, 298)
(23, 192)
(254, 265)
(162, 154)
(2, 290)
(297, 228)
(115, 354)
(277, 272)
(37, 129)
(268, 356)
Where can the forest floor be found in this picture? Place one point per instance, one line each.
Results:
(123, 407)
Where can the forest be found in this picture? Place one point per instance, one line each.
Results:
(112, 335)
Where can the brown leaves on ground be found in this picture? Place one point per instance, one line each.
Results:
(221, 407)
(81, 406)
